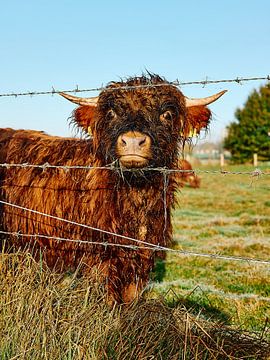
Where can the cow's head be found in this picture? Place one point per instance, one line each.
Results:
(141, 121)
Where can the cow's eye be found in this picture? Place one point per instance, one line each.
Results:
(167, 115)
(111, 114)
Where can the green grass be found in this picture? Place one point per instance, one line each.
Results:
(230, 215)
(198, 308)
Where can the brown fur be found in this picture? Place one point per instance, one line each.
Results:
(187, 177)
(135, 204)
(198, 118)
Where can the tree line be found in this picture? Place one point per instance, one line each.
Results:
(250, 133)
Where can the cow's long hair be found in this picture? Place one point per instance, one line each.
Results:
(136, 204)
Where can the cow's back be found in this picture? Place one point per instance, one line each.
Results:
(45, 189)
(36, 147)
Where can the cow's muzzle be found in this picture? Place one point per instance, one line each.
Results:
(133, 149)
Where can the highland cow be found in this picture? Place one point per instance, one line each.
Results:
(135, 127)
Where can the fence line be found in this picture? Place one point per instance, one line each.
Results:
(163, 284)
(149, 246)
(178, 83)
(137, 244)
(255, 173)
(76, 223)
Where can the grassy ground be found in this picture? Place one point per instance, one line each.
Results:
(229, 214)
(198, 308)
(44, 315)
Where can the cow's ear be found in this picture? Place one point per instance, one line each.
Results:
(83, 116)
(198, 118)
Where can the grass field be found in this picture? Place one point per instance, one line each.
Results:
(229, 214)
(197, 308)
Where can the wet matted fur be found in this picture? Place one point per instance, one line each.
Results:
(135, 203)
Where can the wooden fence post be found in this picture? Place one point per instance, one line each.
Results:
(255, 159)
(222, 162)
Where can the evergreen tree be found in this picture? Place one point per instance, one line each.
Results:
(251, 132)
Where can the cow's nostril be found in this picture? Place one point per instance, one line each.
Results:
(142, 141)
(123, 142)
(133, 143)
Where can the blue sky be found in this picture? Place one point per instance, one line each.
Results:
(66, 43)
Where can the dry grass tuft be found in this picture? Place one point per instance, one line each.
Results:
(44, 315)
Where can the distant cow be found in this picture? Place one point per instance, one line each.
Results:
(134, 125)
(188, 175)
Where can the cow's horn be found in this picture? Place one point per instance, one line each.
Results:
(203, 101)
(92, 101)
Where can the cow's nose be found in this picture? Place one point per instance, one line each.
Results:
(133, 149)
(133, 142)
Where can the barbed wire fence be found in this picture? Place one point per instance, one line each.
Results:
(143, 245)
(146, 245)
(178, 83)
(138, 244)
(254, 173)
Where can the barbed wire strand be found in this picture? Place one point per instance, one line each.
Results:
(75, 223)
(255, 173)
(149, 246)
(76, 241)
(206, 290)
(178, 83)
(152, 284)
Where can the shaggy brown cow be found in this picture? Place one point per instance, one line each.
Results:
(134, 127)
(188, 176)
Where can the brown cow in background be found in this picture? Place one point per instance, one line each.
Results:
(188, 175)
(134, 124)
